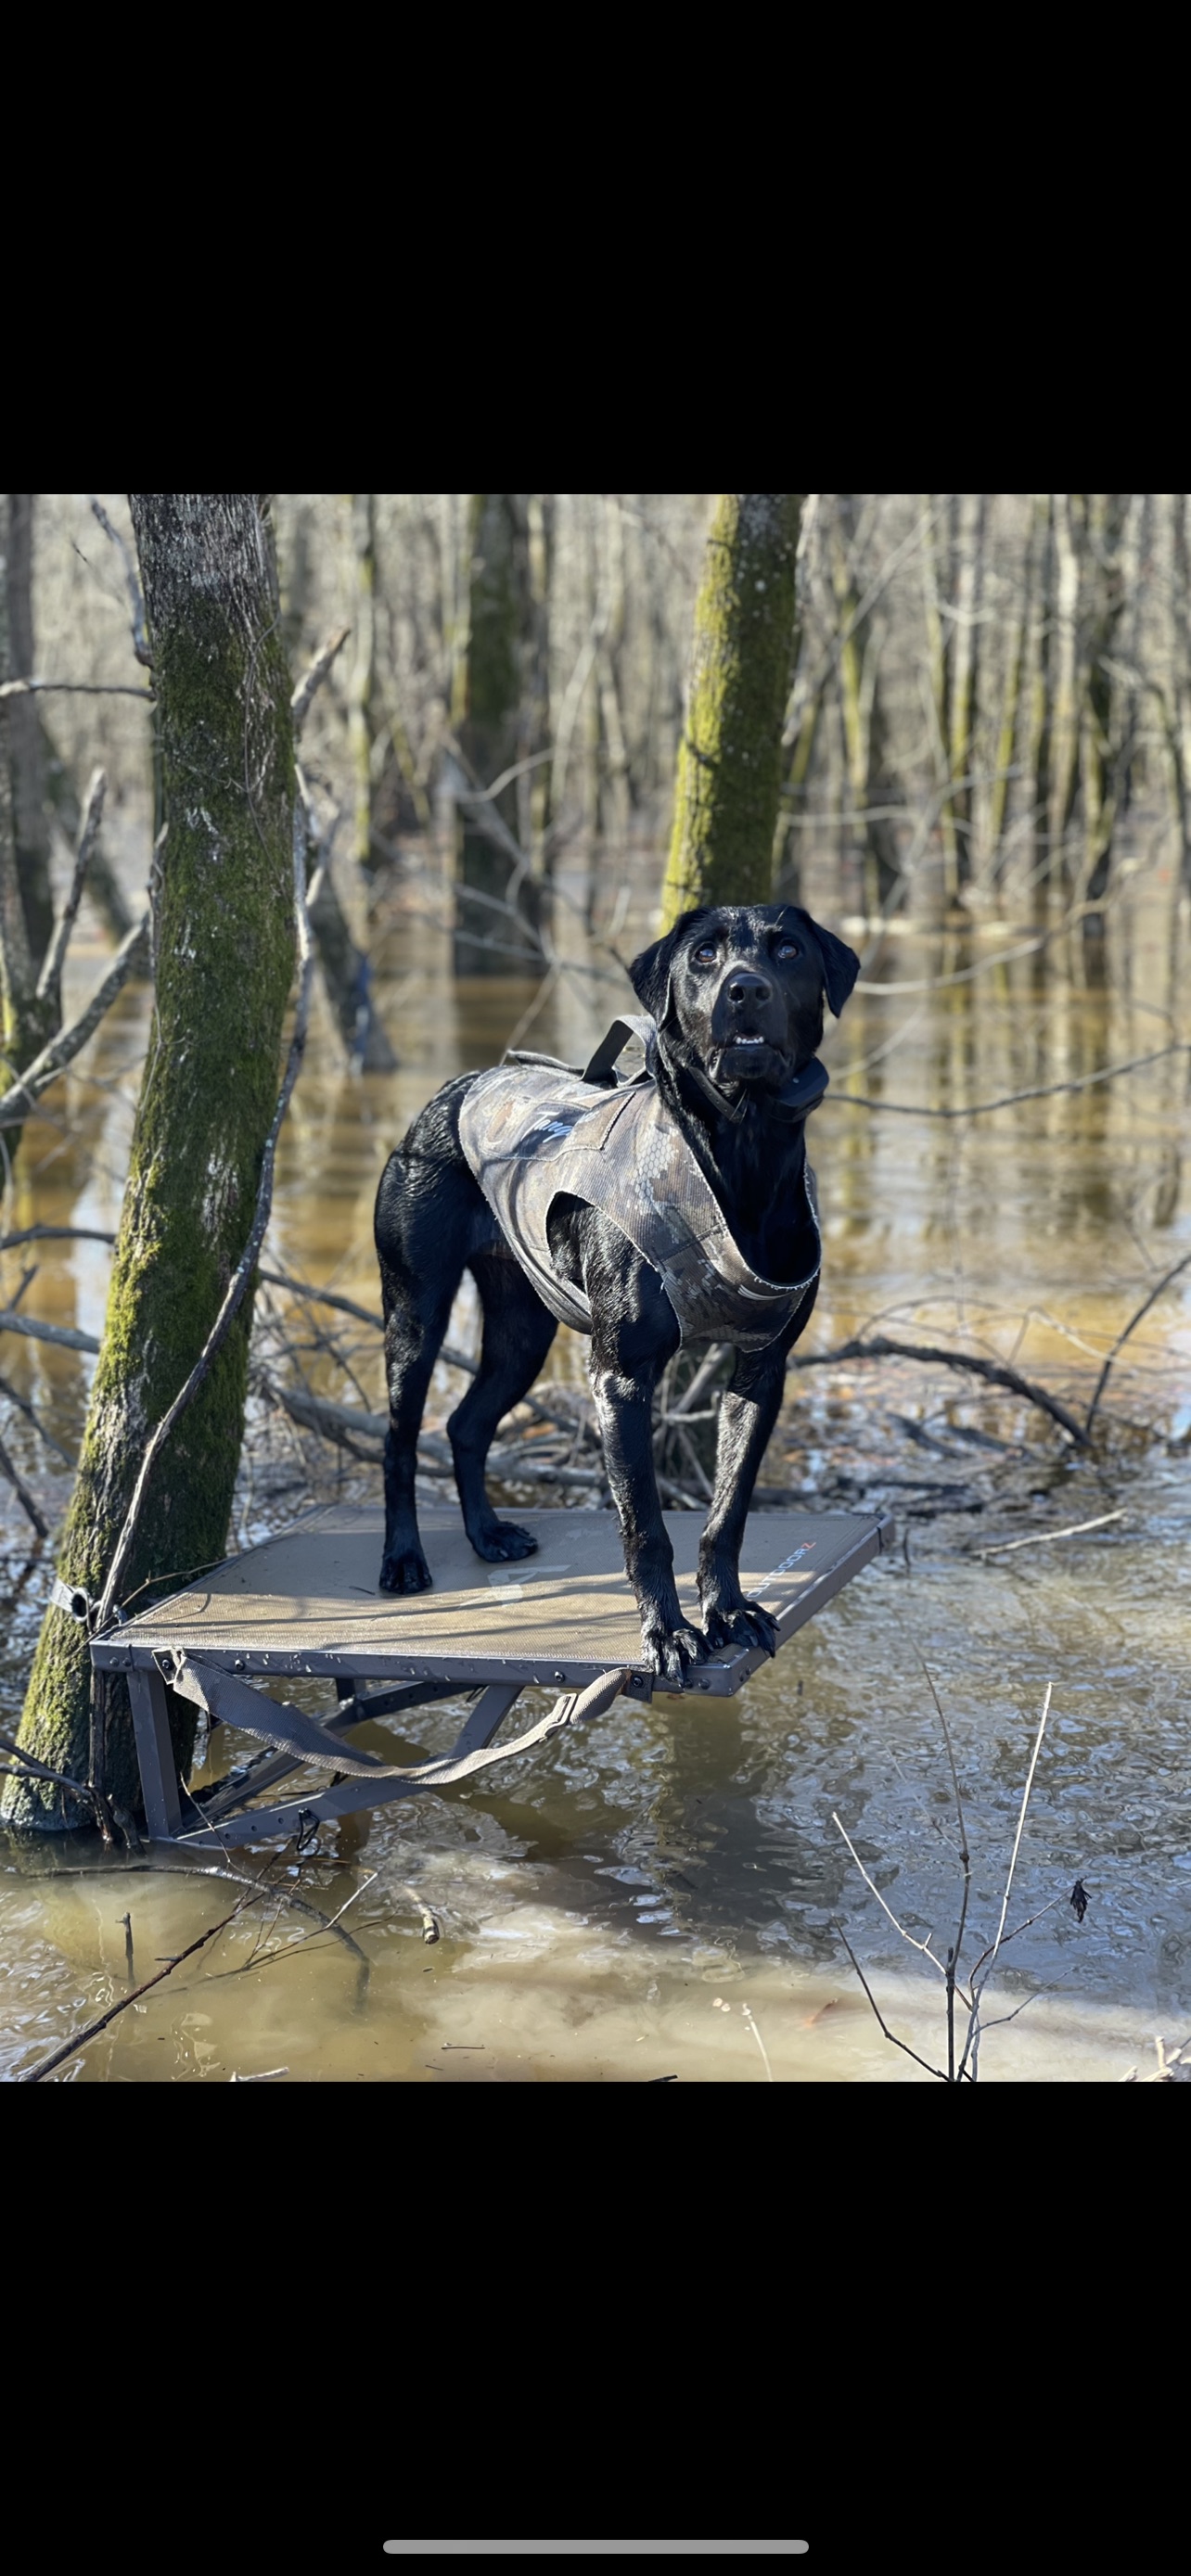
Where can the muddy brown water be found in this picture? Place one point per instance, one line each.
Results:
(663, 1896)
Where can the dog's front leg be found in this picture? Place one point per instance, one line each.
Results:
(748, 1412)
(624, 1407)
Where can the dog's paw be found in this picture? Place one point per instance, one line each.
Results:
(749, 1626)
(504, 1542)
(670, 1652)
(406, 1570)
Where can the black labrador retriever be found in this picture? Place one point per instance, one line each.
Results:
(703, 1160)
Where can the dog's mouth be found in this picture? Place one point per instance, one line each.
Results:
(747, 1052)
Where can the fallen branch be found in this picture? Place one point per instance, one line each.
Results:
(16, 1103)
(1046, 1538)
(348, 1424)
(70, 2047)
(1143, 1310)
(452, 1358)
(995, 1372)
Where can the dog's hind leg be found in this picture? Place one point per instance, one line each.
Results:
(518, 1331)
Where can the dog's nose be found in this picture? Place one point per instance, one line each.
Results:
(747, 987)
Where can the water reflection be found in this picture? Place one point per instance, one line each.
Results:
(606, 1913)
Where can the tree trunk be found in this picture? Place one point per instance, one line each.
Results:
(997, 806)
(27, 1021)
(742, 658)
(224, 946)
(1110, 702)
(502, 631)
(873, 785)
(1041, 652)
(962, 709)
(30, 820)
(362, 676)
(939, 691)
(1064, 765)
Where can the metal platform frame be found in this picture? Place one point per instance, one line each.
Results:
(217, 1679)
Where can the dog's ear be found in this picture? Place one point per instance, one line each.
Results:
(649, 974)
(841, 964)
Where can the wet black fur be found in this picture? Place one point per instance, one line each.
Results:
(433, 1222)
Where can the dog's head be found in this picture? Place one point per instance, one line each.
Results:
(739, 991)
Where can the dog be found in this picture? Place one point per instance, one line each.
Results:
(676, 1205)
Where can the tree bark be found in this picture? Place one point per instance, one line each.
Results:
(30, 819)
(224, 947)
(499, 680)
(26, 1019)
(742, 659)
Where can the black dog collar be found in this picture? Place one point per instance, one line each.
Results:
(796, 1100)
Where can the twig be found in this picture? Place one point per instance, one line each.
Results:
(760, 2042)
(1123, 1337)
(70, 2047)
(53, 1234)
(923, 1946)
(299, 704)
(49, 982)
(972, 2042)
(28, 1502)
(16, 1103)
(70, 688)
(1009, 1099)
(953, 1955)
(431, 1927)
(889, 2034)
(42, 1771)
(140, 639)
(1046, 1538)
(31, 1415)
(247, 1263)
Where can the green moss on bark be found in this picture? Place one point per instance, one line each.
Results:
(729, 760)
(224, 942)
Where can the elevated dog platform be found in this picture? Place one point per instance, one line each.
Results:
(306, 1604)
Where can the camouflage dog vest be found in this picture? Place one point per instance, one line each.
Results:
(533, 1131)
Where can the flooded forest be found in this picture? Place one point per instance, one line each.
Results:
(946, 1831)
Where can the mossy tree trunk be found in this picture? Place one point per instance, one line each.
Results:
(742, 660)
(501, 686)
(224, 945)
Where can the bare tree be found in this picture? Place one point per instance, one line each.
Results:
(224, 946)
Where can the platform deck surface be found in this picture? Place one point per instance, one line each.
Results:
(308, 1599)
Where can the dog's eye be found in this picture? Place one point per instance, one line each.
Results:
(705, 953)
(788, 948)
